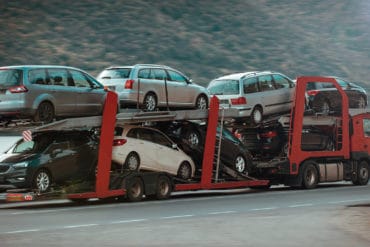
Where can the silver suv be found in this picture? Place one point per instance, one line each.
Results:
(43, 92)
(255, 94)
(144, 85)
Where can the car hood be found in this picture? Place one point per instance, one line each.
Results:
(15, 158)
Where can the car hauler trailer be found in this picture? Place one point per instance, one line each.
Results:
(346, 159)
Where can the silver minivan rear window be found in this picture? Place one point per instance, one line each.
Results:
(224, 87)
(10, 77)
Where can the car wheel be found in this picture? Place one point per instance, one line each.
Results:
(202, 102)
(310, 176)
(184, 171)
(322, 105)
(164, 188)
(193, 137)
(44, 113)
(361, 102)
(41, 181)
(362, 177)
(284, 149)
(257, 115)
(132, 162)
(135, 189)
(150, 102)
(240, 164)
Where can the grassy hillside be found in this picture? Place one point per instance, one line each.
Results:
(204, 39)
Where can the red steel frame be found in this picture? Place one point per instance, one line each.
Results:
(296, 155)
(105, 156)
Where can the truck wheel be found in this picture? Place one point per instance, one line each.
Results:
(310, 176)
(164, 188)
(184, 171)
(363, 173)
(135, 189)
(41, 181)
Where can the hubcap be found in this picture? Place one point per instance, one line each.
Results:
(42, 181)
(136, 189)
(193, 139)
(257, 116)
(202, 103)
(240, 164)
(363, 173)
(150, 103)
(310, 177)
(133, 163)
(163, 188)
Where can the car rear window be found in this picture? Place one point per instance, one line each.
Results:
(115, 73)
(224, 87)
(10, 77)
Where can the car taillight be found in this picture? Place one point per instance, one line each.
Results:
(239, 101)
(119, 142)
(312, 92)
(268, 134)
(129, 84)
(18, 89)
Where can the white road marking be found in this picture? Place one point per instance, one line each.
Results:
(301, 205)
(224, 212)
(127, 221)
(346, 201)
(23, 231)
(261, 209)
(78, 226)
(178, 216)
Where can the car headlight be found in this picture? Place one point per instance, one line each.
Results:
(20, 165)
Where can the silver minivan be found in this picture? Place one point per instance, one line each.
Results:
(255, 94)
(152, 86)
(45, 92)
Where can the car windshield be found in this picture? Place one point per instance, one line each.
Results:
(115, 73)
(224, 87)
(10, 77)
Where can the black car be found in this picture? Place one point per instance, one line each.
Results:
(52, 157)
(325, 98)
(191, 136)
(272, 141)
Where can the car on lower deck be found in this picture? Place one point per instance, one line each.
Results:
(143, 148)
(50, 158)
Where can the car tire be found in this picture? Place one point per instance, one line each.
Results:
(257, 115)
(202, 102)
(362, 177)
(150, 102)
(132, 162)
(41, 181)
(184, 171)
(193, 137)
(322, 105)
(134, 189)
(361, 102)
(164, 188)
(240, 164)
(310, 176)
(44, 113)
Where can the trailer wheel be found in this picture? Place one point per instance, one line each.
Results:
(164, 188)
(135, 189)
(41, 181)
(310, 176)
(362, 173)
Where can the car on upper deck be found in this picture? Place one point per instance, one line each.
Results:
(152, 86)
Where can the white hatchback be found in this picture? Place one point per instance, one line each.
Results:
(143, 148)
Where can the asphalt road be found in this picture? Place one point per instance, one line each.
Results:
(278, 217)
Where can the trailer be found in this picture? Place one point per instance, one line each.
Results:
(348, 159)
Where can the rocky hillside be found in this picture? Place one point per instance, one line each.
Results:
(204, 39)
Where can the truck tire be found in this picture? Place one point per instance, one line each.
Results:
(310, 176)
(164, 188)
(135, 189)
(363, 173)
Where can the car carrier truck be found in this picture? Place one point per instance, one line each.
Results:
(348, 159)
